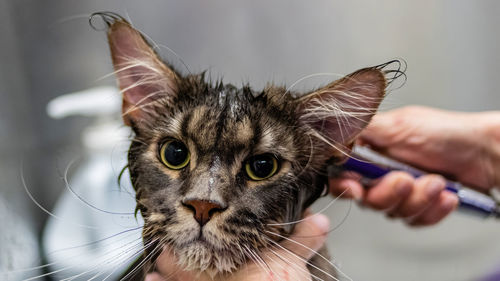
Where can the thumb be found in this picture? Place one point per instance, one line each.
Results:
(309, 236)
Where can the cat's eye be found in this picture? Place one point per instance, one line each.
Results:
(174, 154)
(261, 167)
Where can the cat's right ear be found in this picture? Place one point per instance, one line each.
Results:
(143, 77)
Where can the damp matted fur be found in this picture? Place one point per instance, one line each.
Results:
(222, 126)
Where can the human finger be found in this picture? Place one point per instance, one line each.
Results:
(446, 203)
(346, 188)
(309, 236)
(425, 191)
(168, 268)
(380, 132)
(392, 189)
(154, 277)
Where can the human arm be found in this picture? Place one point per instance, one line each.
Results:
(462, 146)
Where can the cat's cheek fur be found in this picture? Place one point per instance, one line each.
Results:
(186, 229)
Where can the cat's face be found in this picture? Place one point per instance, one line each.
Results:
(218, 170)
(216, 167)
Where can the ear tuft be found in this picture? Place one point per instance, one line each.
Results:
(107, 18)
(143, 78)
(338, 112)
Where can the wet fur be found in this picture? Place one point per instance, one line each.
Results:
(220, 138)
(222, 125)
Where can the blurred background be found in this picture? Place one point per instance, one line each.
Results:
(48, 49)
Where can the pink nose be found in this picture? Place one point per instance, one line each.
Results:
(203, 209)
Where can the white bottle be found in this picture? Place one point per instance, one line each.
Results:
(94, 232)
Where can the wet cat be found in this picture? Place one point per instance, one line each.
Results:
(218, 168)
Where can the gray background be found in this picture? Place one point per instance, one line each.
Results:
(451, 47)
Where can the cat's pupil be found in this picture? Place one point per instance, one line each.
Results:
(176, 153)
(262, 166)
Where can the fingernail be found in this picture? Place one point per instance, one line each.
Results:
(435, 185)
(321, 221)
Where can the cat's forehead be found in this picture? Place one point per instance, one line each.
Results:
(231, 99)
(226, 118)
(211, 127)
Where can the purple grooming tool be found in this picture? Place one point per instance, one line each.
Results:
(372, 165)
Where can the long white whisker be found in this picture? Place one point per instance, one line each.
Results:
(273, 262)
(141, 106)
(74, 193)
(301, 258)
(157, 247)
(30, 195)
(270, 271)
(56, 271)
(99, 241)
(141, 263)
(123, 252)
(289, 262)
(137, 247)
(315, 252)
(309, 157)
(130, 258)
(259, 262)
(343, 219)
(321, 211)
(67, 249)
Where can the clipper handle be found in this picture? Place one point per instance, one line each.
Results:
(372, 165)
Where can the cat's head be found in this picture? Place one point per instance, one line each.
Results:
(220, 170)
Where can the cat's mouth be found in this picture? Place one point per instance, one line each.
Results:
(204, 250)
(199, 241)
(203, 256)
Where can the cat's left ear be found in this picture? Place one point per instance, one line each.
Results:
(338, 112)
(142, 76)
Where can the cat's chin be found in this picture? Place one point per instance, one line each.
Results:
(200, 256)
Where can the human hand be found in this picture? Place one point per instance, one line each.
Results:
(463, 146)
(282, 262)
